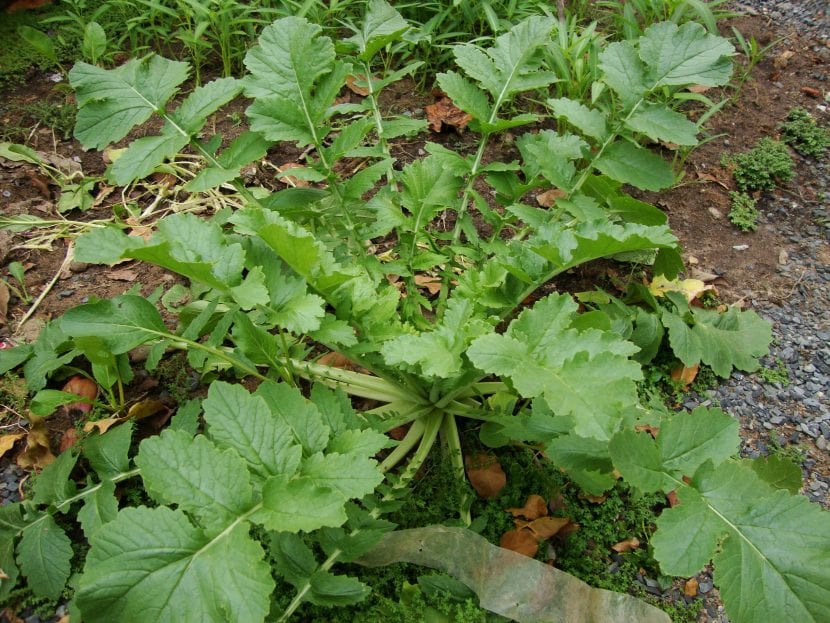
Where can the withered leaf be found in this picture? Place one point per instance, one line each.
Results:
(431, 284)
(68, 439)
(7, 442)
(690, 588)
(354, 88)
(626, 545)
(647, 428)
(534, 507)
(83, 387)
(548, 198)
(685, 376)
(445, 113)
(520, 541)
(4, 303)
(124, 274)
(37, 453)
(103, 425)
(672, 498)
(290, 180)
(336, 360)
(485, 474)
(546, 527)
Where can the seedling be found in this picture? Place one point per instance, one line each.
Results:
(17, 271)
(803, 134)
(763, 167)
(743, 213)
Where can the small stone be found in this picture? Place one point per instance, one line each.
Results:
(78, 267)
(741, 247)
(783, 257)
(704, 586)
(715, 213)
(821, 443)
(66, 293)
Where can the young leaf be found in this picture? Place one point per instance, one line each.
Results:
(100, 507)
(298, 414)
(53, 485)
(190, 578)
(591, 122)
(293, 559)
(122, 323)
(328, 589)
(44, 553)
(542, 356)
(292, 505)
(353, 475)
(382, 25)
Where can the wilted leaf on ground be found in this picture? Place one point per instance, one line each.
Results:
(626, 545)
(444, 113)
(290, 180)
(68, 439)
(4, 303)
(547, 198)
(431, 284)
(7, 442)
(83, 387)
(485, 474)
(103, 425)
(37, 454)
(690, 588)
(336, 360)
(123, 275)
(690, 288)
(534, 507)
(685, 376)
(354, 87)
(521, 541)
(545, 527)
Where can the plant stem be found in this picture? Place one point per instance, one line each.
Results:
(449, 435)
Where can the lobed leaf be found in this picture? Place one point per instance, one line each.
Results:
(44, 554)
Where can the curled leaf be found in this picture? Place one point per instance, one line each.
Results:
(627, 545)
(520, 541)
(7, 442)
(546, 527)
(685, 376)
(37, 453)
(534, 508)
(445, 113)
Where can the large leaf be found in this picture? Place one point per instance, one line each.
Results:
(112, 102)
(212, 485)
(630, 164)
(244, 423)
(382, 25)
(770, 548)
(583, 374)
(189, 578)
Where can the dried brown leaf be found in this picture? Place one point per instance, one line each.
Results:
(290, 180)
(7, 441)
(445, 113)
(354, 88)
(548, 198)
(626, 545)
(672, 498)
(690, 588)
(647, 428)
(520, 541)
(534, 507)
(103, 425)
(41, 184)
(123, 274)
(83, 387)
(485, 474)
(685, 376)
(431, 284)
(336, 360)
(68, 439)
(546, 527)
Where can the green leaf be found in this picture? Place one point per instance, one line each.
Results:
(104, 246)
(685, 55)
(293, 559)
(44, 554)
(53, 485)
(143, 156)
(40, 41)
(243, 422)
(353, 475)
(382, 25)
(108, 453)
(244, 149)
(203, 102)
(211, 484)
(46, 401)
(586, 461)
(630, 164)
(298, 414)
(94, 44)
(769, 548)
(586, 375)
(660, 123)
(590, 122)
(112, 102)
(778, 472)
(637, 457)
(623, 70)
(9, 567)
(687, 440)
(190, 578)
(122, 323)
(328, 589)
(465, 95)
(299, 505)
(100, 507)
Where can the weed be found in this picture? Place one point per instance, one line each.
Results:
(13, 397)
(777, 374)
(743, 213)
(794, 453)
(768, 164)
(803, 133)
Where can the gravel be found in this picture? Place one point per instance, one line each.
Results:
(810, 18)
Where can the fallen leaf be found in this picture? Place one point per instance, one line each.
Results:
(783, 59)
(7, 441)
(671, 496)
(690, 588)
(431, 284)
(68, 439)
(595, 499)
(520, 541)
(811, 92)
(698, 88)
(690, 288)
(548, 198)
(647, 428)
(41, 184)
(103, 425)
(534, 507)
(123, 274)
(445, 113)
(4, 303)
(83, 387)
(37, 453)
(144, 409)
(685, 376)
(168, 180)
(10, 615)
(626, 545)
(399, 432)
(359, 90)
(336, 360)
(290, 180)
(23, 5)
(546, 527)
(708, 177)
(111, 155)
(485, 474)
